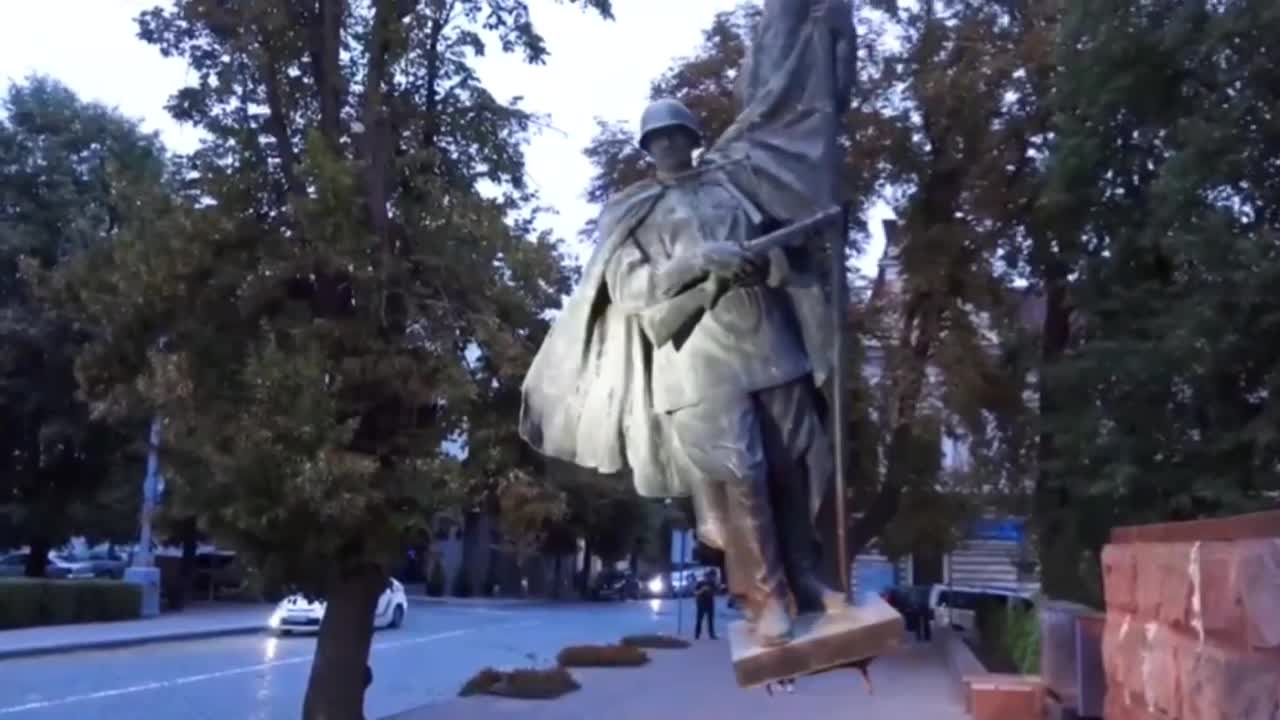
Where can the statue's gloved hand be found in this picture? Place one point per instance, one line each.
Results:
(726, 260)
(779, 268)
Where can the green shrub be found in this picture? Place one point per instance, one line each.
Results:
(601, 656)
(28, 602)
(990, 621)
(526, 684)
(1022, 639)
(655, 642)
(1008, 637)
(436, 580)
(21, 603)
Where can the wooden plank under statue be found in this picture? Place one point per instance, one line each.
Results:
(820, 642)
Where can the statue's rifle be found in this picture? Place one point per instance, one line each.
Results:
(664, 320)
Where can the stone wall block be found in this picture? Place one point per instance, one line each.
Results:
(1225, 683)
(1257, 579)
(1119, 577)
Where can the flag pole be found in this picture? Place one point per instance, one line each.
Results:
(839, 319)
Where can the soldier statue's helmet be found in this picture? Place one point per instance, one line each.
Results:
(666, 113)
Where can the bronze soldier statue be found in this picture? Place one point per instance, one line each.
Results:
(718, 398)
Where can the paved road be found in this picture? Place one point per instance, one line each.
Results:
(258, 677)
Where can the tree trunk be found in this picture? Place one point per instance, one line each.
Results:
(470, 553)
(38, 560)
(336, 687)
(187, 566)
(1058, 549)
(925, 321)
(557, 566)
(884, 507)
(584, 577)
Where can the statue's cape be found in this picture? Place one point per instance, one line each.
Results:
(587, 398)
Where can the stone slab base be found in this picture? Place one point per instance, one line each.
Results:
(820, 641)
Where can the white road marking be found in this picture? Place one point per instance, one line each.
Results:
(191, 679)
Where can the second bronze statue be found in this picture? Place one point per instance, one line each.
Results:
(721, 403)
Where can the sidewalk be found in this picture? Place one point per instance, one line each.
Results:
(485, 601)
(416, 592)
(197, 621)
(697, 684)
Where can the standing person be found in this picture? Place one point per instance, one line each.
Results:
(922, 613)
(926, 618)
(705, 597)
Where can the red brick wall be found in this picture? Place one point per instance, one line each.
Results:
(1193, 620)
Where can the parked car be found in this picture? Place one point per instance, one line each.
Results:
(94, 564)
(615, 585)
(958, 606)
(15, 564)
(108, 563)
(953, 606)
(297, 613)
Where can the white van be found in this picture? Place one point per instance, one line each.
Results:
(956, 606)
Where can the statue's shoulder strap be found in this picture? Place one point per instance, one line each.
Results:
(640, 217)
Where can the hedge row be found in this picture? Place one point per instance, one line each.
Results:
(29, 602)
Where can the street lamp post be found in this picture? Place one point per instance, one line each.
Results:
(675, 559)
(142, 571)
(680, 593)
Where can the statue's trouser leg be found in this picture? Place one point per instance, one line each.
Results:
(711, 507)
(721, 439)
(800, 470)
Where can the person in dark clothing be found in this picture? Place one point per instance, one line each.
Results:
(705, 597)
(923, 614)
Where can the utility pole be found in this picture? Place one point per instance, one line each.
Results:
(680, 594)
(142, 571)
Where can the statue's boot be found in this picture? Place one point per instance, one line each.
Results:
(812, 593)
(757, 552)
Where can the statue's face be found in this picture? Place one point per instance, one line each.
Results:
(671, 149)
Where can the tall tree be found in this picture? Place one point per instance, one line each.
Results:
(953, 87)
(64, 164)
(337, 288)
(1167, 157)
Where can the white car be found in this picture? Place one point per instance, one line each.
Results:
(15, 564)
(296, 613)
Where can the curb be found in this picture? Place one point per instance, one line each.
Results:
(124, 642)
(959, 658)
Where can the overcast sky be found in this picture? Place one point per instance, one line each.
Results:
(92, 46)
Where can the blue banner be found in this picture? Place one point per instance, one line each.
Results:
(1010, 529)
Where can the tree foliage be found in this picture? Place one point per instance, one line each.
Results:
(1165, 169)
(64, 167)
(350, 270)
(527, 507)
